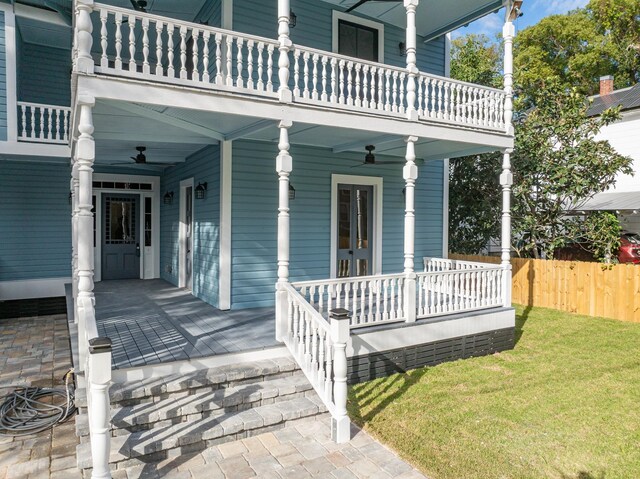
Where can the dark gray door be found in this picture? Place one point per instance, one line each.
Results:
(120, 241)
(355, 230)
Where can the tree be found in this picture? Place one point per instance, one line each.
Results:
(474, 190)
(577, 48)
(558, 164)
(600, 231)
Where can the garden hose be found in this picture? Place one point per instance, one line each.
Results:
(29, 410)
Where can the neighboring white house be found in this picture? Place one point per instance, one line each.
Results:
(624, 136)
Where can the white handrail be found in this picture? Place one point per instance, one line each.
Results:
(152, 47)
(442, 264)
(319, 348)
(456, 291)
(370, 299)
(41, 123)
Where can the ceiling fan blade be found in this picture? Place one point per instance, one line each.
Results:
(134, 158)
(359, 165)
(392, 162)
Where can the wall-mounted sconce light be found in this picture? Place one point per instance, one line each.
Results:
(70, 196)
(404, 192)
(516, 10)
(292, 192)
(402, 49)
(201, 190)
(168, 198)
(293, 19)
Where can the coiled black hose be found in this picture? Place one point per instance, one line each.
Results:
(23, 412)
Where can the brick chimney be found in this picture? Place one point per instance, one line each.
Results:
(606, 85)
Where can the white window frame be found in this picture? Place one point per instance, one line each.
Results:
(376, 182)
(335, 31)
(182, 235)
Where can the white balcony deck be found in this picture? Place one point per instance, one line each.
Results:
(159, 49)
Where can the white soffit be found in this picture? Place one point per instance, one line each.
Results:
(433, 17)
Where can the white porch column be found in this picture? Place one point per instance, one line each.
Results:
(410, 174)
(284, 165)
(284, 92)
(84, 40)
(506, 178)
(75, 185)
(85, 155)
(412, 69)
(98, 381)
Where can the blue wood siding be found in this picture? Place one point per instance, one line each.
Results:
(202, 166)
(254, 216)
(3, 80)
(35, 221)
(313, 29)
(211, 13)
(38, 63)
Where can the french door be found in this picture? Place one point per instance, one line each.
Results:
(355, 230)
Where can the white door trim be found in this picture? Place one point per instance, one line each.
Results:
(182, 235)
(376, 182)
(154, 193)
(336, 16)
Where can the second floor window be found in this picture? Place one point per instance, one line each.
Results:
(358, 41)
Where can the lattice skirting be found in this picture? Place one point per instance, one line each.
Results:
(23, 308)
(381, 364)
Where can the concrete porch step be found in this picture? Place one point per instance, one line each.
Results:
(201, 403)
(132, 448)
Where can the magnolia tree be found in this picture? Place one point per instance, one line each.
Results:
(558, 164)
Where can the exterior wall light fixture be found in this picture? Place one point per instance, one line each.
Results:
(402, 49)
(292, 192)
(293, 19)
(168, 198)
(201, 190)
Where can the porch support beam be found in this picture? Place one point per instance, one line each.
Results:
(284, 165)
(506, 178)
(412, 69)
(224, 262)
(284, 9)
(410, 174)
(248, 130)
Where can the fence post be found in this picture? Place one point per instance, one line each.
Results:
(99, 378)
(340, 424)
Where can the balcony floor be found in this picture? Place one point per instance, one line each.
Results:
(152, 322)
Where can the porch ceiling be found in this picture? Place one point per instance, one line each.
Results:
(433, 17)
(172, 134)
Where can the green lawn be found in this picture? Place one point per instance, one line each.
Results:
(565, 403)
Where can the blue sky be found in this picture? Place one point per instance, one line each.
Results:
(534, 10)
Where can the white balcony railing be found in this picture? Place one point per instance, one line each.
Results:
(145, 46)
(40, 123)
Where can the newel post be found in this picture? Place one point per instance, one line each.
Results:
(410, 174)
(83, 36)
(284, 10)
(284, 165)
(340, 423)
(412, 69)
(99, 406)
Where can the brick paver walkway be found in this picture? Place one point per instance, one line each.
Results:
(35, 351)
(295, 452)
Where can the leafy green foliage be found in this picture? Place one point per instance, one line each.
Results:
(601, 232)
(474, 191)
(558, 164)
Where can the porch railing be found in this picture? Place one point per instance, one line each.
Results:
(369, 299)
(151, 47)
(41, 123)
(319, 347)
(95, 361)
(442, 264)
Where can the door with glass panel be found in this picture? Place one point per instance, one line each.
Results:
(355, 230)
(120, 241)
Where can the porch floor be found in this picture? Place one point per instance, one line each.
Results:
(152, 322)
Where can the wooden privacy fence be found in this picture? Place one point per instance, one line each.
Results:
(575, 286)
